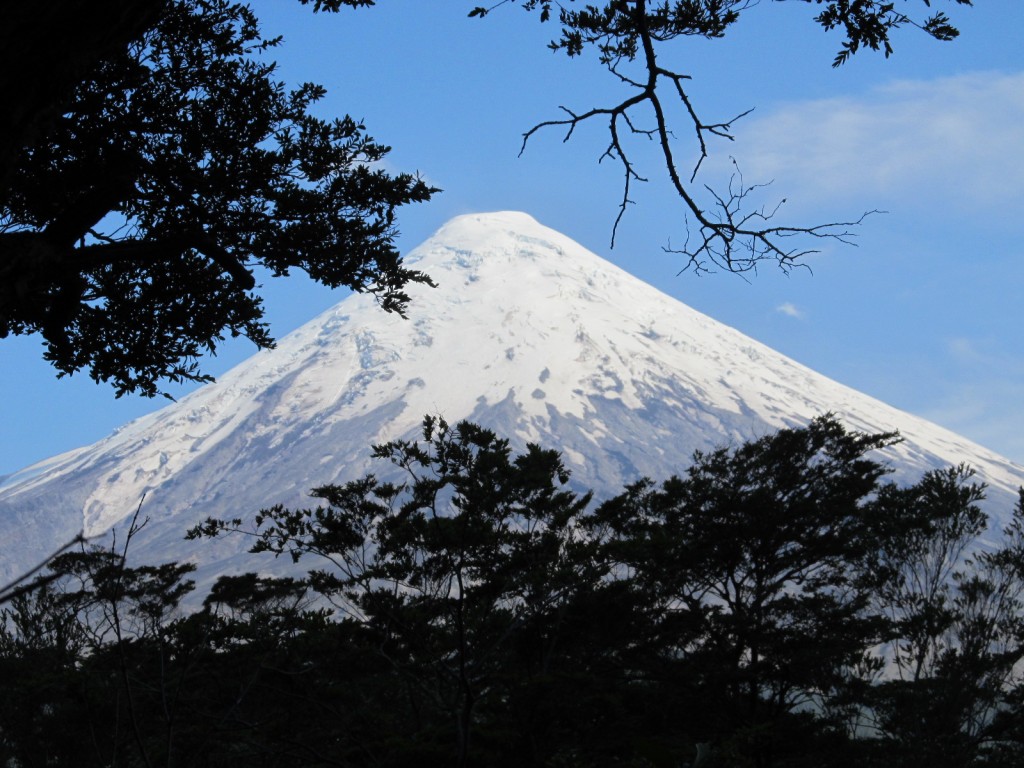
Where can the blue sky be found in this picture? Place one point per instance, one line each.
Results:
(924, 313)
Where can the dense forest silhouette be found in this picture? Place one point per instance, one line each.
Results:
(779, 603)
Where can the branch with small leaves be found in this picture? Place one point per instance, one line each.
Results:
(725, 230)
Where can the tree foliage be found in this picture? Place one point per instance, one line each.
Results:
(630, 38)
(130, 228)
(47, 49)
(777, 604)
(451, 566)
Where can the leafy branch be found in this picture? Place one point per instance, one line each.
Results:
(724, 229)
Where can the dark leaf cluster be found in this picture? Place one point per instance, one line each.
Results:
(868, 24)
(131, 228)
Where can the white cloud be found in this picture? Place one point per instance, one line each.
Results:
(961, 137)
(977, 383)
(965, 351)
(978, 411)
(986, 352)
(790, 310)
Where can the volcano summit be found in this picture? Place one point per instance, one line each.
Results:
(527, 333)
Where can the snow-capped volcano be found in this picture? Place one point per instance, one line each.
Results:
(527, 333)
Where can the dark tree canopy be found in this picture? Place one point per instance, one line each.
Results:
(37, 83)
(778, 604)
(725, 228)
(133, 218)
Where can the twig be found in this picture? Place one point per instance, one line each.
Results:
(11, 591)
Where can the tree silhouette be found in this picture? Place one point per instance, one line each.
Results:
(778, 604)
(132, 219)
(629, 37)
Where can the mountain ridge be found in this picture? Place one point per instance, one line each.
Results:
(527, 333)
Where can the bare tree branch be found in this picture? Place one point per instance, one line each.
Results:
(725, 228)
(12, 591)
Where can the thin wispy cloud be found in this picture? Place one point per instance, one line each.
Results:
(961, 137)
(980, 408)
(981, 377)
(965, 351)
(975, 351)
(790, 310)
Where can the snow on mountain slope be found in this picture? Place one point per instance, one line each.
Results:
(527, 333)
